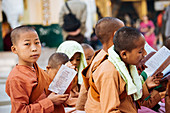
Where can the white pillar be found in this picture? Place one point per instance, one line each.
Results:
(13, 10)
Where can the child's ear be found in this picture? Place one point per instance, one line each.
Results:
(48, 67)
(13, 49)
(114, 33)
(123, 54)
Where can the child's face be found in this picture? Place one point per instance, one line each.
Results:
(137, 54)
(75, 59)
(52, 71)
(28, 48)
(88, 54)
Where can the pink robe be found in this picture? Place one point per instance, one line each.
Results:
(151, 38)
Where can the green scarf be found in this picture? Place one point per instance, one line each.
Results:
(70, 48)
(134, 84)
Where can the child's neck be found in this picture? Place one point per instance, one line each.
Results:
(30, 65)
(127, 66)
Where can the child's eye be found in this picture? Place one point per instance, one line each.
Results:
(71, 59)
(26, 44)
(140, 52)
(88, 58)
(37, 42)
(78, 59)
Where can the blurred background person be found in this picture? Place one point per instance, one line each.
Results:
(166, 17)
(128, 21)
(6, 32)
(79, 9)
(147, 28)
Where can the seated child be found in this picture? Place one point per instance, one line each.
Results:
(54, 63)
(76, 55)
(88, 51)
(167, 95)
(110, 26)
(157, 93)
(115, 85)
(26, 85)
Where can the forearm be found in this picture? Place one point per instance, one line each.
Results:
(42, 106)
(152, 99)
(82, 98)
(145, 91)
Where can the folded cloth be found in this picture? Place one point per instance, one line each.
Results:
(133, 82)
(70, 48)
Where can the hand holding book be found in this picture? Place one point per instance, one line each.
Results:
(158, 62)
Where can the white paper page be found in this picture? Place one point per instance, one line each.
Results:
(68, 109)
(156, 60)
(62, 80)
(166, 70)
(166, 73)
(148, 48)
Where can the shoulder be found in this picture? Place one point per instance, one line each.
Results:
(106, 70)
(106, 67)
(95, 62)
(99, 57)
(22, 74)
(150, 22)
(107, 73)
(102, 65)
(141, 23)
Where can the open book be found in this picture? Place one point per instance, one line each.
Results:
(62, 80)
(158, 62)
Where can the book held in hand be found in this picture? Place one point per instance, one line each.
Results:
(158, 62)
(62, 80)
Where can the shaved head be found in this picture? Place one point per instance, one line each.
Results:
(106, 27)
(86, 46)
(167, 43)
(57, 59)
(125, 39)
(15, 34)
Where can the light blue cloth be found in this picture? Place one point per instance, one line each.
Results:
(133, 82)
(70, 48)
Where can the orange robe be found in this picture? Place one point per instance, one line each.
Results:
(44, 81)
(154, 98)
(110, 87)
(84, 89)
(74, 93)
(19, 86)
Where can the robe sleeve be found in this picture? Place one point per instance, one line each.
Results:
(19, 94)
(107, 86)
(145, 91)
(152, 99)
(82, 98)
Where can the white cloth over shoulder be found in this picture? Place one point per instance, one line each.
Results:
(133, 82)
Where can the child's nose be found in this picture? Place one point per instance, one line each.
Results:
(34, 48)
(74, 62)
(144, 53)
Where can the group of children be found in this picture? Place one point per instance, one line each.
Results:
(107, 80)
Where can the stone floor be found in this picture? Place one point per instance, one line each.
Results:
(7, 62)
